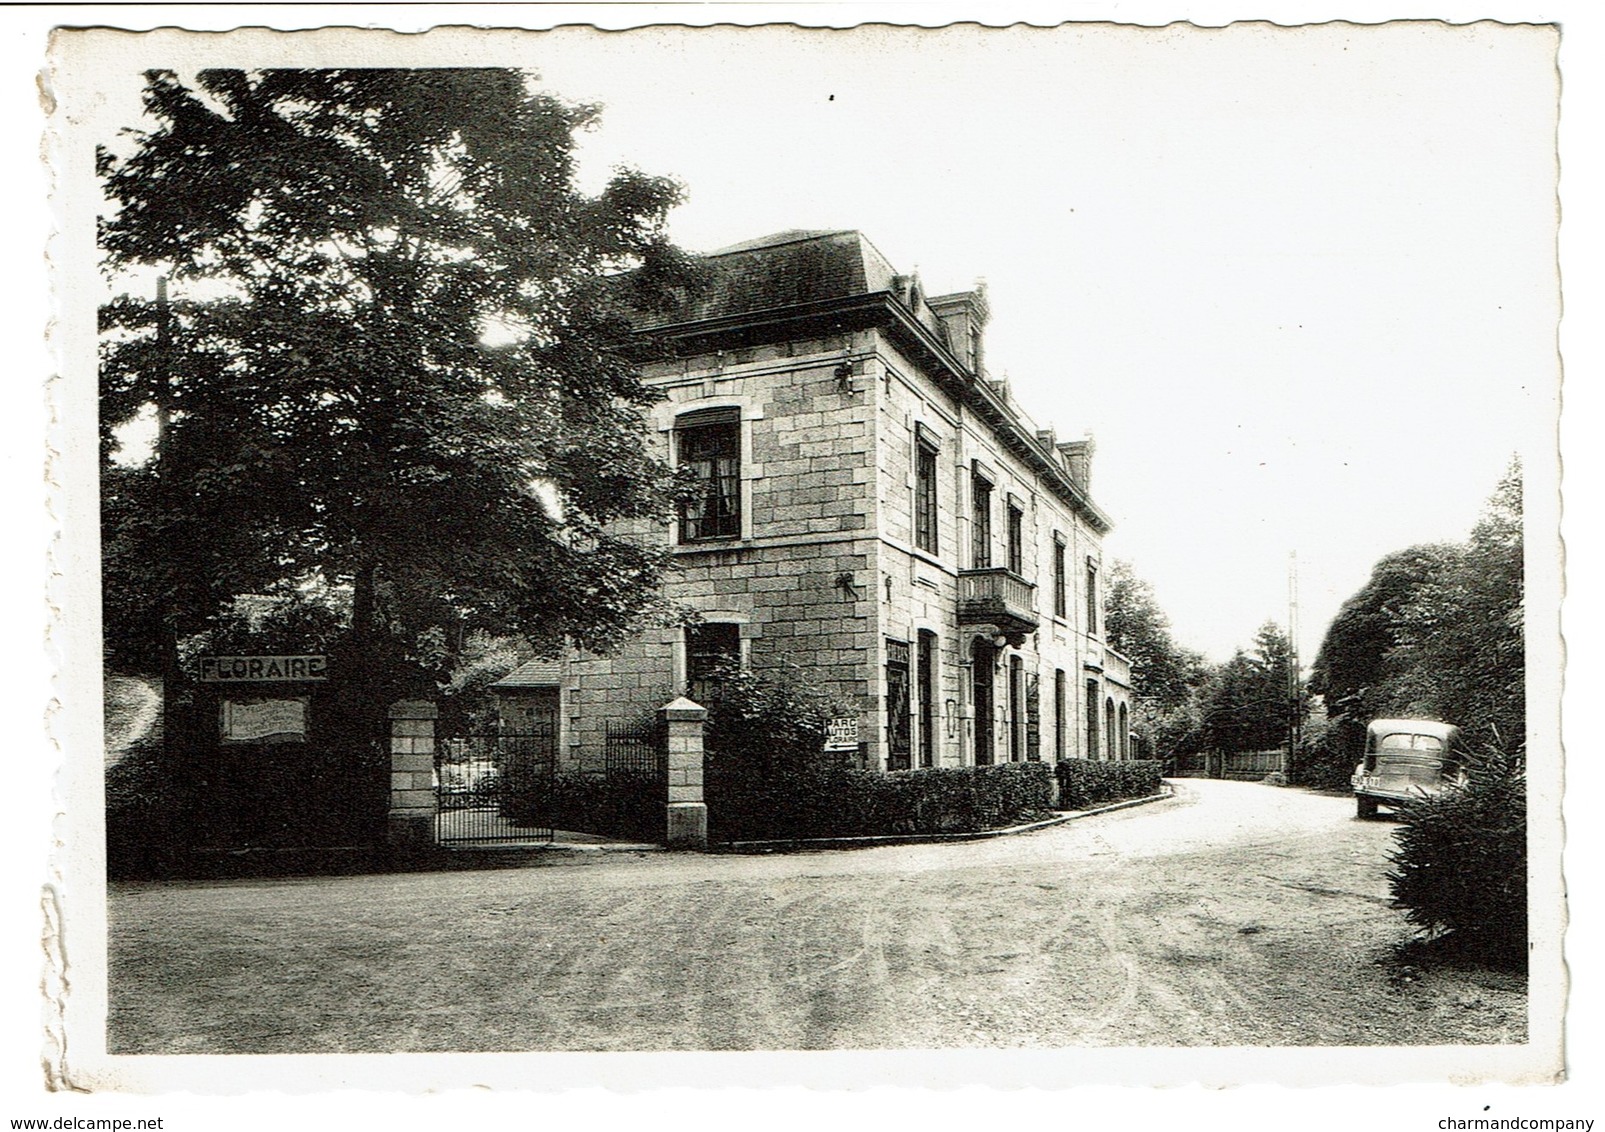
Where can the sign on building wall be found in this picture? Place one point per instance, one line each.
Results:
(841, 734)
(259, 720)
(256, 669)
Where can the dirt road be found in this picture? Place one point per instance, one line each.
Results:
(1232, 914)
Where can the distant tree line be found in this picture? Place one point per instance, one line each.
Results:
(1185, 705)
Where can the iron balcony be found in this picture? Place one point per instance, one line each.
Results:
(997, 596)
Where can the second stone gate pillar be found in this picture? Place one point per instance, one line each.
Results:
(687, 812)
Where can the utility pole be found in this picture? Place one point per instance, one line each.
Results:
(1294, 679)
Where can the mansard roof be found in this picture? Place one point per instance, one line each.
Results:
(783, 270)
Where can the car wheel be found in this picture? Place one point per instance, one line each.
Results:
(1365, 807)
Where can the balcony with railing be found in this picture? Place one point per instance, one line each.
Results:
(998, 596)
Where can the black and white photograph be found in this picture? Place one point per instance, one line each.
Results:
(1021, 556)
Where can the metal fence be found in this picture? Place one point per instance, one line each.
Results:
(634, 750)
(492, 789)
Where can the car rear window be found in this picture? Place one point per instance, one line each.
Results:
(1399, 742)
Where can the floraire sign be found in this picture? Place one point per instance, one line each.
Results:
(259, 669)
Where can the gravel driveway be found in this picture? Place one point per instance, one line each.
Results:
(1231, 914)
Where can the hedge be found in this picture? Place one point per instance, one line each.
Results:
(616, 805)
(1084, 783)
(748, 801)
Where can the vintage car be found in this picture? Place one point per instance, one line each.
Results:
(1406, 759)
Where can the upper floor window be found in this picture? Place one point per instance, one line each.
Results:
(709, 443)
(1060, 596)
(925, 496)
(1092, 596)
(1016, 540)
(980, 522)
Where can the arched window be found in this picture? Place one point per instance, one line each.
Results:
(1109, 742)
(1125, 733)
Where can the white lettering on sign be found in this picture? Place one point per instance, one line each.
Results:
(841, 734)
(249, 721)
(255, 669)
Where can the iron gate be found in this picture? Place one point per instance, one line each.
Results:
(498, 788)
(636, 773)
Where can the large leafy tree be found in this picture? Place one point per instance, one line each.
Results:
(1352, 670)
(396, 364)
(1461, 652)
(1135, 624)
(1437, 631)
(1165, 676)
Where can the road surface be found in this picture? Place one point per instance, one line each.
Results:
(1231, 914)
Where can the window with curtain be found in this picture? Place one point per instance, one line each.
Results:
(709, 443)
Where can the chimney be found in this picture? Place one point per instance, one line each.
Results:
(1078, 461)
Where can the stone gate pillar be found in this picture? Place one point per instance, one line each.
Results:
(687, 813)
(412, 774)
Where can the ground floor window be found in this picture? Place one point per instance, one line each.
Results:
(1058, 714)
(982, 660)
(709, 647)
(1016, 709)
(925, 678)
(898, 748)
(1092, 719)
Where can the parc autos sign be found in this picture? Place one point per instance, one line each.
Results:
(258, 669)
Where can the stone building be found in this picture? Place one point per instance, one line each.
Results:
(873, 509)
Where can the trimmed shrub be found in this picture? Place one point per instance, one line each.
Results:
(748, 801)
(1085, 783)
(1460, 868)
(615, 805)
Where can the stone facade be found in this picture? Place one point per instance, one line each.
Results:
(853, 426)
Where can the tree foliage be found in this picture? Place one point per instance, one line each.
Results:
(1461, 652)
(1135, 625)
(397, 361)
(1165, 676)
(1247, 703)
(778, 718)
(1356, 664)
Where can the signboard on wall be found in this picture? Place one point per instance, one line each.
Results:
(841, 734)
(259, 669)
(259, 720)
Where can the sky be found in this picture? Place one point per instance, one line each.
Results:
(1298, 283)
